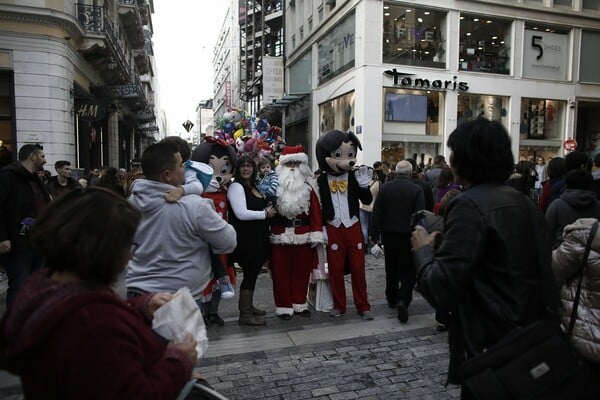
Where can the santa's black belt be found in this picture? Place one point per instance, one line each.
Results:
(291, 222)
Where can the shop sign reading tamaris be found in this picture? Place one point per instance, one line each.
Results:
(405, 80)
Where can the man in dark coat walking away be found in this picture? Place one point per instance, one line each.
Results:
(397, 201)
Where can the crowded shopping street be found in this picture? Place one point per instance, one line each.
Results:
(294, 199)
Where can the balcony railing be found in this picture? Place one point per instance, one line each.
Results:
(131, 22)
(93, 20)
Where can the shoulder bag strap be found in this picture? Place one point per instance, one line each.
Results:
(586, 254)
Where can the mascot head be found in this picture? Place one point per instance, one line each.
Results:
(220, 156)
(336, 151)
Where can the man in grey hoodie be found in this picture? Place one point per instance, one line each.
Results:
(172, 239)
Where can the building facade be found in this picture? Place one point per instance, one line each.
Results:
(403, 74)
(78, 78)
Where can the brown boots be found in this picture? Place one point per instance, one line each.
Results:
(248, 314)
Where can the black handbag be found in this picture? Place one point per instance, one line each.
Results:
(533, 362)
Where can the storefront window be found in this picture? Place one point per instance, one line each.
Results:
(564, 3)
(300, 74)
(413, 112)
(590, 57)
(588, 126)
(336, 50)
(472, 106)
(542, 119)
(484, 44)
(591, 5)
(546, 52)
(411, 125)
(414, 36)
(6, 117)
(337, 114)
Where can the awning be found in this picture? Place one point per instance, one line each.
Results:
(288, 100)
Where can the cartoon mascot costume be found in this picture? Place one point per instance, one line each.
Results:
(340, 189)
(220, 155)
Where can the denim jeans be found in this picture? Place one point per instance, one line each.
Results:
(365, 224)
(19, 264)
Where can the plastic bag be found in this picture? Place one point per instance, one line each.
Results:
(322, 270)
(377, 251)
(179, 317)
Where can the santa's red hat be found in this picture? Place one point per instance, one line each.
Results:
(293, 153)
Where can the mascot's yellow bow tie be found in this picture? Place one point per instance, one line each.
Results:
(339, 185)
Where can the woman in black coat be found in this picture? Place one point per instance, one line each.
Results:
(486, 271)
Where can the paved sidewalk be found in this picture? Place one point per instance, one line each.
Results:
(322, 357)
(325, 358)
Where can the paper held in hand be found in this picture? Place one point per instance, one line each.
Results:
(180, 316)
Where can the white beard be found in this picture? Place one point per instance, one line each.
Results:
(293, 192)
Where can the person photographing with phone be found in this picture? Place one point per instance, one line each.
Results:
(488, 269)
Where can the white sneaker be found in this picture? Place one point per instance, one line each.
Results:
(227, 291)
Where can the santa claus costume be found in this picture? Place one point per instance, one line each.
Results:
(295, 232)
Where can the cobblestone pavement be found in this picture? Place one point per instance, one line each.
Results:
(379, 359)
(321, 357)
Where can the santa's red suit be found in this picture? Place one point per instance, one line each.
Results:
(293, 237)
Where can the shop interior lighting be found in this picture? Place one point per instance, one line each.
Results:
(475, 19)
(468, 33)
(420, 19)
(386, 7)
(489, 21)
(387, 14)
(462, 17)
(494, 37)
(426, 13)
(408, 10)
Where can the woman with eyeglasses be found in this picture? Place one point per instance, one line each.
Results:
(248, 213)
(67, 334)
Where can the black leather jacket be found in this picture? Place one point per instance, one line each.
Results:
(486, 271)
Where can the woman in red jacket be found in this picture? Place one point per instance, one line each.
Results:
(67, 334)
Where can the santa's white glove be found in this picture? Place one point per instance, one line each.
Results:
(363, 176)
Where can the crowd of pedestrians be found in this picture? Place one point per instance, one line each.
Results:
(187, 217)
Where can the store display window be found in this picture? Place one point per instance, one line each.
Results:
(414, 36)
(542, 118)
(485, 44)
(337, 114)
(415, 112)
(336, 50)
(6, 113)
(472, 106)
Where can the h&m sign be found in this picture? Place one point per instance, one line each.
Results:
(89, 111)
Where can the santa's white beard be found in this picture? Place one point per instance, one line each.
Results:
(293, 194)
